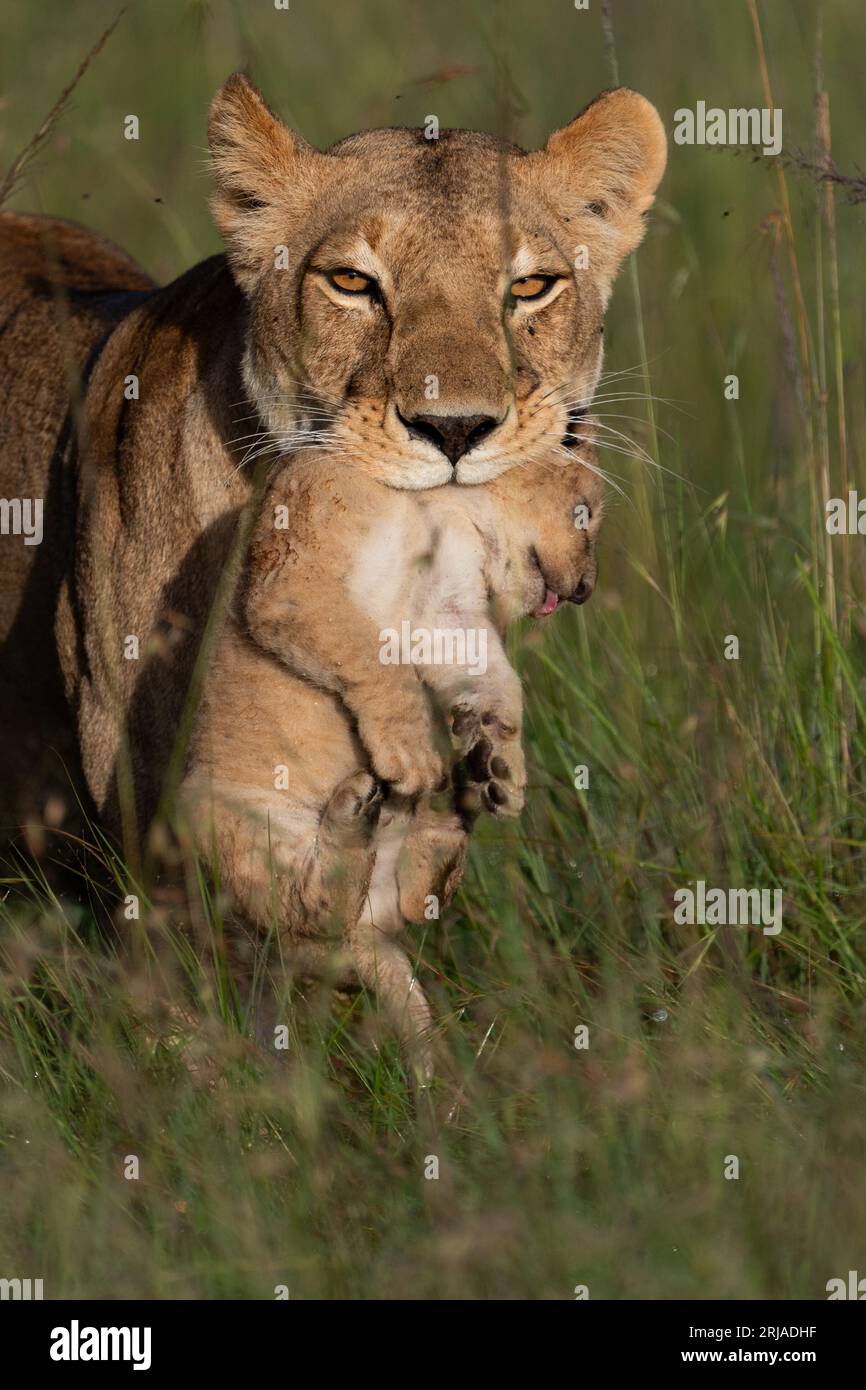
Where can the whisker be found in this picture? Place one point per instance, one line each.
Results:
(607, 478)
(564, 456)
(639, 453)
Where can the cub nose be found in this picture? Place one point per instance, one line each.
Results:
(455, 435)
(586, 586)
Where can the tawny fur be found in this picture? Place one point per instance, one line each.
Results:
(301, 721)
(135, 413)
(142, 496)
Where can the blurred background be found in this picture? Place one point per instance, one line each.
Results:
(559, 1167)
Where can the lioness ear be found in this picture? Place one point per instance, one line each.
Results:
(261, 168)
(607, 163)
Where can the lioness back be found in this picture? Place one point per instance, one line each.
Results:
(62, 289)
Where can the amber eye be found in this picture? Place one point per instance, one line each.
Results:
(350, 281)
(532, 286)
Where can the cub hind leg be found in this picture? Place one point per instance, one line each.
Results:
(383, 966)
(312, 871)
(420, 851)
(386, 971)
(431, 862)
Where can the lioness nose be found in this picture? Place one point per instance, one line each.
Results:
(455, 435)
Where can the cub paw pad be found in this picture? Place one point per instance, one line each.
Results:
(480, 737)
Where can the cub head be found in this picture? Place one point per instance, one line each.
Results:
(431, 308)
(546, 517)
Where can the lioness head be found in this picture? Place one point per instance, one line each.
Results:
(432, 308)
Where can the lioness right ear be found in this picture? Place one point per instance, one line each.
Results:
(258, 163)
(604, 167)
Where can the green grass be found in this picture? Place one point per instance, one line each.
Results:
(558, 1167)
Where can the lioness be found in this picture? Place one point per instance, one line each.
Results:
(432, 306)
(282, 793)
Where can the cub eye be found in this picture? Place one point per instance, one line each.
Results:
(350, 281)
(532, 286)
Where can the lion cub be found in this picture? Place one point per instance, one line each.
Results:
(367, 629)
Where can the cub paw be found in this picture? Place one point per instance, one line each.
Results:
(355, 804)
(493, 757)
(405, 758)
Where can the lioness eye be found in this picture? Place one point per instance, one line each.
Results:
(532, 286)
(350, 281)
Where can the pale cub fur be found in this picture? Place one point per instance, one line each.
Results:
(339, 860)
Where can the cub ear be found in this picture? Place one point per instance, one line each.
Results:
(607, 164)
(258, 164)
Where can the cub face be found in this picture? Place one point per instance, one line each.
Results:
(548, 516)
(535, 528)
(430, 309)
(526, 541)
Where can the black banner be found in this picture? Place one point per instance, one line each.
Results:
(155, 1338)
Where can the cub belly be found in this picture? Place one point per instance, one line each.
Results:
(277, 793)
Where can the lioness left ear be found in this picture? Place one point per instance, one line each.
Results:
(607, 164)
(265, 175)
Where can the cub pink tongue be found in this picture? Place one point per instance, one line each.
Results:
(551, 601)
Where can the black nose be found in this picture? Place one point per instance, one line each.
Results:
(586, 586)
(455, 435)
